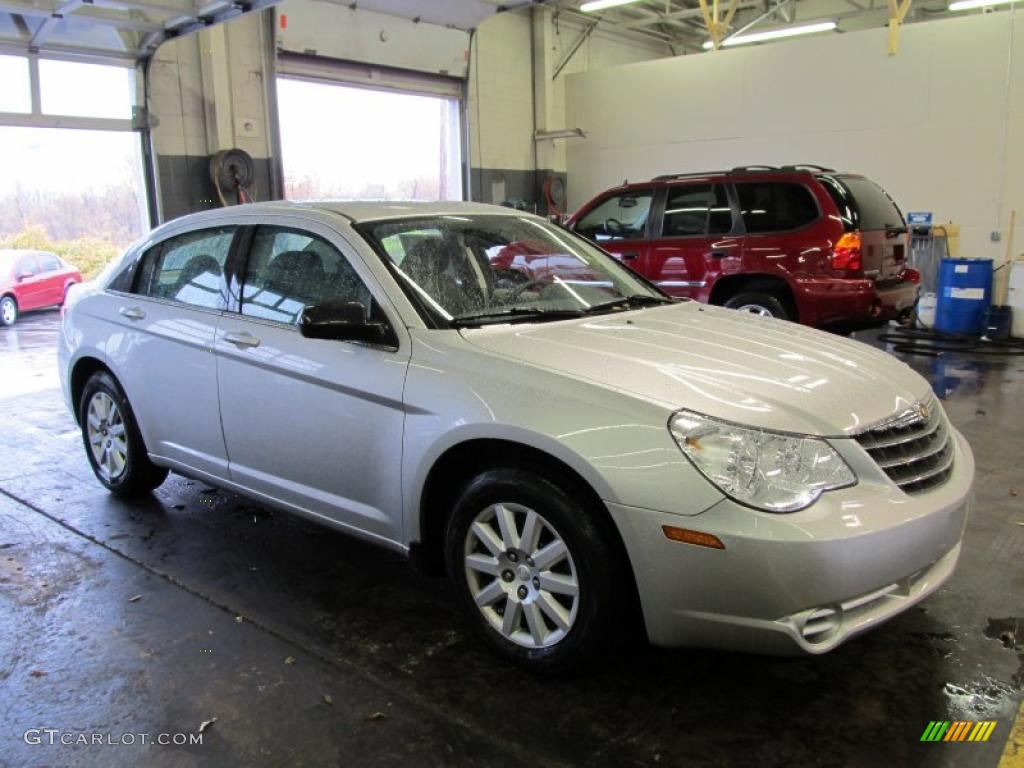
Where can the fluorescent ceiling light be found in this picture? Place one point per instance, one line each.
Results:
(600, 5)
(967, 5)
(775, 34)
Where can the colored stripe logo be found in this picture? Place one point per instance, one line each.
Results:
(958, 730)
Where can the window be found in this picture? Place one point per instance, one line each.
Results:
(48, 262)
(875, 209)
(621, 217)
(188, 268)
(16, 95)
(28, 266)
(776, 206)
(86, 90)
(697, 209)
(289, 270)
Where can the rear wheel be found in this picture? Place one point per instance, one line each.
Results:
(538, 576)
(759, 303)
(113, 443)
(8, 310)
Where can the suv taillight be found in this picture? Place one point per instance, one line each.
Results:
(846, 253)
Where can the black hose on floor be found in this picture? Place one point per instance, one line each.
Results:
(929, 343)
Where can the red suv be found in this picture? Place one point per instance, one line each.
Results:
(32, 280)
(800, 242)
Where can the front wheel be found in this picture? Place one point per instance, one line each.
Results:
(759, 303)
(8, 311)
(113, 443)
(540, 578)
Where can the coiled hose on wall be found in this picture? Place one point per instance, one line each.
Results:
(929, 343)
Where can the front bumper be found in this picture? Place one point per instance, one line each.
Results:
(835, 301)
(806, 581)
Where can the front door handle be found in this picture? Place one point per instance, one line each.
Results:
(132, 313)
(629, 256)
(243, 339)
(720, 254)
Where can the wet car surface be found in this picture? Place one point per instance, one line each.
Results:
(310, 648)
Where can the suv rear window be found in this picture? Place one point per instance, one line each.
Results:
(872, 207)
(775, 206)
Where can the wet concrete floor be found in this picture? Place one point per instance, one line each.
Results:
(311, 649)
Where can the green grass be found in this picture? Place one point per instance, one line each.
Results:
(88, 254)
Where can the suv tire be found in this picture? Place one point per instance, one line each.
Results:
(759, 303)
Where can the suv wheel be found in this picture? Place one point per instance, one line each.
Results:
(533, 570)
(759, 303)
(112, 439)
(8, 310)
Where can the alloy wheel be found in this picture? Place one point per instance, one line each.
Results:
(755, 309)
(521, 575)
(107, 439)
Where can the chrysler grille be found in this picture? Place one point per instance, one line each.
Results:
(914, 448)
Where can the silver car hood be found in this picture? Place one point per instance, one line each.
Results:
(757, 371)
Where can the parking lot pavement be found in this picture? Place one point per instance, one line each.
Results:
(313, 649)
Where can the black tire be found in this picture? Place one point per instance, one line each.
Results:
(603, 599)
(769, 302)
(137, 475)
(8, 311)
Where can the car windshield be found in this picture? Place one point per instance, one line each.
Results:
(477, 269)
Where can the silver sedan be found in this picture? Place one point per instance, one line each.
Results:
(494, 397)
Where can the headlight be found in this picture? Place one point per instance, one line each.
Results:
(772, 471)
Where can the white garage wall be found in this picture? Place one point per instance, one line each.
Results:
(927, 124)
(502, 92)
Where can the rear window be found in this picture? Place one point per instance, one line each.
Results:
(873, 208)
(775, 206)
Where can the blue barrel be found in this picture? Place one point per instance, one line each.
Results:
(965, 291)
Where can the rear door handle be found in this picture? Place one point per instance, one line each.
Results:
(629, 256)
(243, 339)
(720, 254)
(132, 313)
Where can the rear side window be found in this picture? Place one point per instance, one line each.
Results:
(773, 206)
(696, 209)
(48, 262)
(843, 199)
(188, 268)
(620, 217)
(874, 209)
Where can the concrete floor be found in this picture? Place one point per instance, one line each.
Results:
(310, 649)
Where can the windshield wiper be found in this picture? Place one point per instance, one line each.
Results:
(636, 301)
(511, 315)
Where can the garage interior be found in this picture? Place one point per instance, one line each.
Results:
(288, 644)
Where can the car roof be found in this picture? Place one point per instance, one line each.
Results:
(362, 210)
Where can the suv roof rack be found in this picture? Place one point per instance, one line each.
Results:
(746, 169)
(807, 167)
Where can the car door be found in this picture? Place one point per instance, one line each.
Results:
(164, 351)
(52, 278)
(31, 286)
(312, 423)
(695, 240)
(619, 224)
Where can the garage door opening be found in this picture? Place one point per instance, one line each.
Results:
(352, 142)
(77, 191)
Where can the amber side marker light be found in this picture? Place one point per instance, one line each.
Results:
(692, 537)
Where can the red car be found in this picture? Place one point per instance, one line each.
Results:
(799, 242)
(31, 280)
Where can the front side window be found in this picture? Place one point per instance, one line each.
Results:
(696, 209)
(28, 266)
(620, 217)
(500, 267)
(188, 268)
(289, 270)
(772, 206)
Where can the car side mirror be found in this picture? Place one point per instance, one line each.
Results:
(345, 321)
(25, 275)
